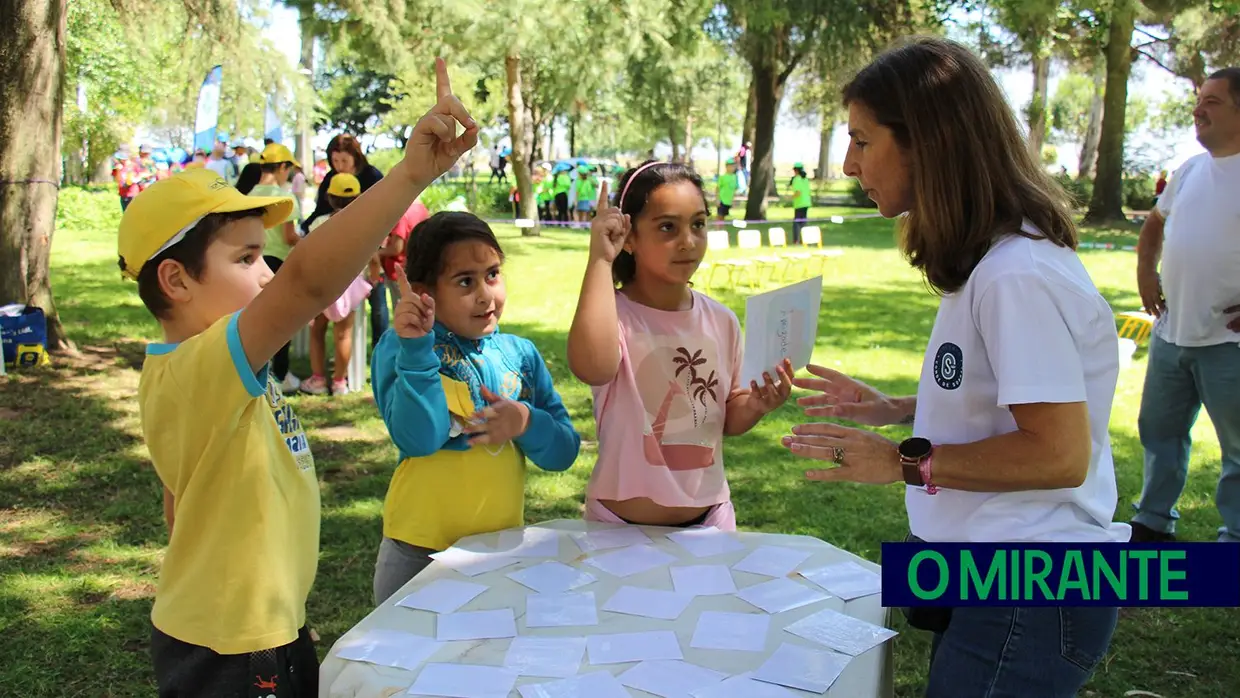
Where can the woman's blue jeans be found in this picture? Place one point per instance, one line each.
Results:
(1019, 652)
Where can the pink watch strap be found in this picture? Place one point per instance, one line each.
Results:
(925, 467)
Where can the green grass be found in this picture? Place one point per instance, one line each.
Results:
(81, 532)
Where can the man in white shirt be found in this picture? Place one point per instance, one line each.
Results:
(1194, 357)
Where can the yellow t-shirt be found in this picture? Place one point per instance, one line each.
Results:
(436, 500)
(245, 541)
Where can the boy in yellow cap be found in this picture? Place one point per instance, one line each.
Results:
(276, 164)
(241, 494)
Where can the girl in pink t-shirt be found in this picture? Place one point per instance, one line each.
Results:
(663, 360)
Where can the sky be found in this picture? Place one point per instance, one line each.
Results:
(795, 141)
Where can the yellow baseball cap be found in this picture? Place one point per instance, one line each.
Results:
(159, 217)
(277, 152)
(344, 185)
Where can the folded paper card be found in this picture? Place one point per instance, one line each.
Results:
(780, 324)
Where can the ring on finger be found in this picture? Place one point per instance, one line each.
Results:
(838, 455)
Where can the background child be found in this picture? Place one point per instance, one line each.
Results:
(663, 360)
(801, 200)
(342, 190)
(393, 253)
(464, 403)
(241, 494)
(727, 189)
(587, 193)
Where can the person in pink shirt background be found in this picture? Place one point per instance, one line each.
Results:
(663, 360)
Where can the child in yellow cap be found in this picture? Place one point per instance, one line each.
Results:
(342, 190)
(241, 495)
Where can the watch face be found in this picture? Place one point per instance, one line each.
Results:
(915, 448)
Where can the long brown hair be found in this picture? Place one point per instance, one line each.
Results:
(348, 144)
(973, 178)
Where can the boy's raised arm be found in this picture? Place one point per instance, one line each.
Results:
(323, 265)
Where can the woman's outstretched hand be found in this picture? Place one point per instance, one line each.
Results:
(844, 397)
(859, 455)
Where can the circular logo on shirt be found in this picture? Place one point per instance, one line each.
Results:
(948, 366)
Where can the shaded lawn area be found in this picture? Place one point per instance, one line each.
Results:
(81, 530)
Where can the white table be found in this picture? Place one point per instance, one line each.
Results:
(868, 674)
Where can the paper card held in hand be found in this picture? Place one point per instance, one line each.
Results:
(780, 324)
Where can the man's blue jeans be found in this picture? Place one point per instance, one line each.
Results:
(1178, 381)
(1006, 652)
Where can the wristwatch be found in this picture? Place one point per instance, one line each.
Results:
(916, 455)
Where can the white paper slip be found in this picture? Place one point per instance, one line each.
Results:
(630, 561)
(598, 684)
(560, 610)
(703, 580)
(780, 324)
(840, 632)
(464, 681)
(772, 561)
(552, 577)
(389, 648)
(557, 657)
(530, 542)
(706, 542)
(720, 630)
(743, 686)
(607, 538)
(800, 667)
(649, 603)
(670, 678)
(472, 564)
(443, 596)
(475, 625)
(780, 594)
(847, 580)
(633, 647)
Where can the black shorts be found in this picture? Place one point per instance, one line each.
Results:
(724, 209)
(183, 670)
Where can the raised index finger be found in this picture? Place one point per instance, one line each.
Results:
(602, 194)
(403, 279)
(443, 86)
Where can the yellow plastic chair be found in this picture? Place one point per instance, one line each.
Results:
(811, 236)
(717, 241)
(1136, 325)
(778, 240)
(750, 240)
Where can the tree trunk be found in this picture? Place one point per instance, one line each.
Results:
(305, 137)
(689, 140)
(1037, 106)
(1107, 203)
(1089, 147)
(32, 77)
(671, 138)
(572, 137)
(768, 92)
(751, 110)
(520, 142)
(823, 172)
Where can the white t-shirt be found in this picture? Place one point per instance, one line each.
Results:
(1201, 251)
(1027, 327)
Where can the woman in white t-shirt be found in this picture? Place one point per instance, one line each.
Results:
(1010, 417)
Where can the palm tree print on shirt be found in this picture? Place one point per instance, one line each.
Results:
(696, 387)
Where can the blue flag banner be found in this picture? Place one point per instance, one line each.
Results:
(208, 110)
(273, 129)
(1061, 574)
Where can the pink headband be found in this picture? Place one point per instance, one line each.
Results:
(620, 203)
